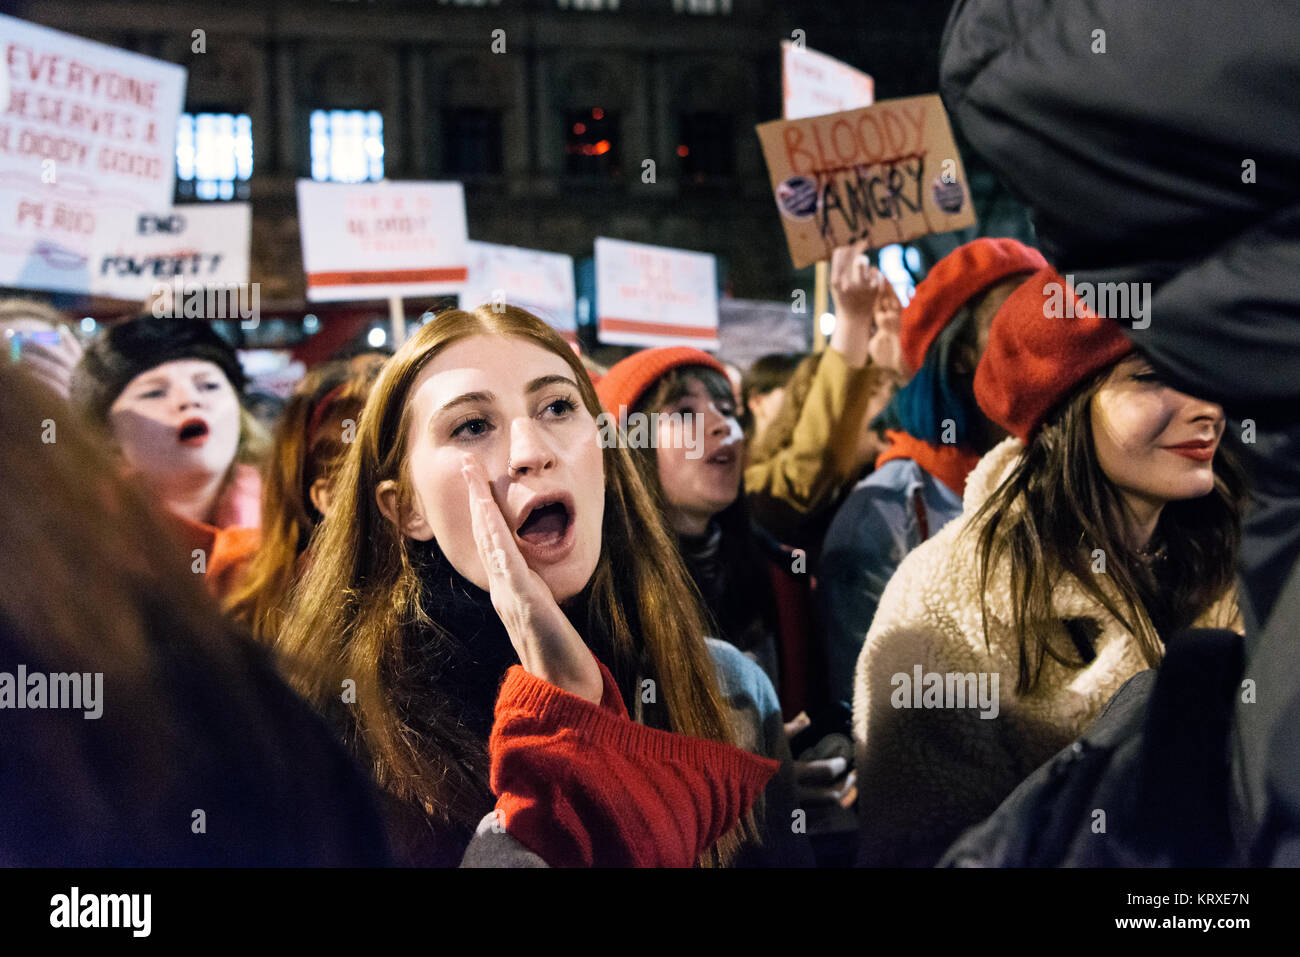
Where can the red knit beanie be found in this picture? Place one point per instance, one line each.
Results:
(628, 379)
(1043, 342)
(955, 279)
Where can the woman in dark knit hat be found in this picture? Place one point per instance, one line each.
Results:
(1108, 521)
(168, 393)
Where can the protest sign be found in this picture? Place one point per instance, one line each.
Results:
(814, 84)
(540, 282)
(887, 173)
(89, 134)
(381, 240)
(194, 245)
(655, 296)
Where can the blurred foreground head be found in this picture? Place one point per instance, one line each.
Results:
(198, 754)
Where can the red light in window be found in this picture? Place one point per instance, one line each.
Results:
(602, 147)
(579, 129)
(597, 114)
(683, 151)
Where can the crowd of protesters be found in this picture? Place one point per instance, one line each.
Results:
(868, 607)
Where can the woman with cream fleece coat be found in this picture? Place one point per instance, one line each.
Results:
(926, 773)
(1106, 525)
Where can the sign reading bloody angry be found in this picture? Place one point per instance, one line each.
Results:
(888, 173)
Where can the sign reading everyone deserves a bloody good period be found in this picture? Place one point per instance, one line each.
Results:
(655, 296)
(379, 240)
(888, 173)
(87, 134)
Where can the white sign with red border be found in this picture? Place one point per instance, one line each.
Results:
(88, 133)
(379, 240)
(814, 84)
(540, 282)
(656, 296)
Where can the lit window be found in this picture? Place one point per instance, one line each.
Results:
(702, 7)
(347, 146)
(590, 142)
(213, 151)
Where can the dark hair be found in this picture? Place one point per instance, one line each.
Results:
(1057, 507)
(768, 372)
(193, 714)
(743, 612)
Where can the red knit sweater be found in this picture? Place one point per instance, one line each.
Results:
(583, 785)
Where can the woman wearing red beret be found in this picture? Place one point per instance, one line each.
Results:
(1109, 521)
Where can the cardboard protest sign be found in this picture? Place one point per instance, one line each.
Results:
(540, 282)
(88, 133)
(198, 244)
(814, 84)
(655, 296)
(378, 240)
(888, 173)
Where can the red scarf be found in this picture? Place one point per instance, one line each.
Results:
(950, 464)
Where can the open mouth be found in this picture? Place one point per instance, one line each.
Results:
(546, 533)
(724, 456)
(192, 432)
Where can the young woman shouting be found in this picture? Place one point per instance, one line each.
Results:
(410, 615)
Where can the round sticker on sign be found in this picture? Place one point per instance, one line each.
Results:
(949, 196)
(797, 197)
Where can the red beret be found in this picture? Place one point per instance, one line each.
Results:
(954, 280)
(1036, 356)
(628, 379)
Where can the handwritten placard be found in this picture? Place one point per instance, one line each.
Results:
(195, 244)
(888, 173)
(655, 296)
(88, 133)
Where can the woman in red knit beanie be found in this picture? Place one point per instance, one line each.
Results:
(476, 522)
(1107, 523)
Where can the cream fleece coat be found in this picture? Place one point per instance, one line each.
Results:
(926, 773)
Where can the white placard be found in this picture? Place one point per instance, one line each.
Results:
(814, 84)
(540, 282)
(197, 244)
(88, 133)
(656, 296)
(376, 240)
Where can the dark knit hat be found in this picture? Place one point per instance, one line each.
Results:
(955, 279)
(125, 350)
(628, 379)
(1038, 353)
